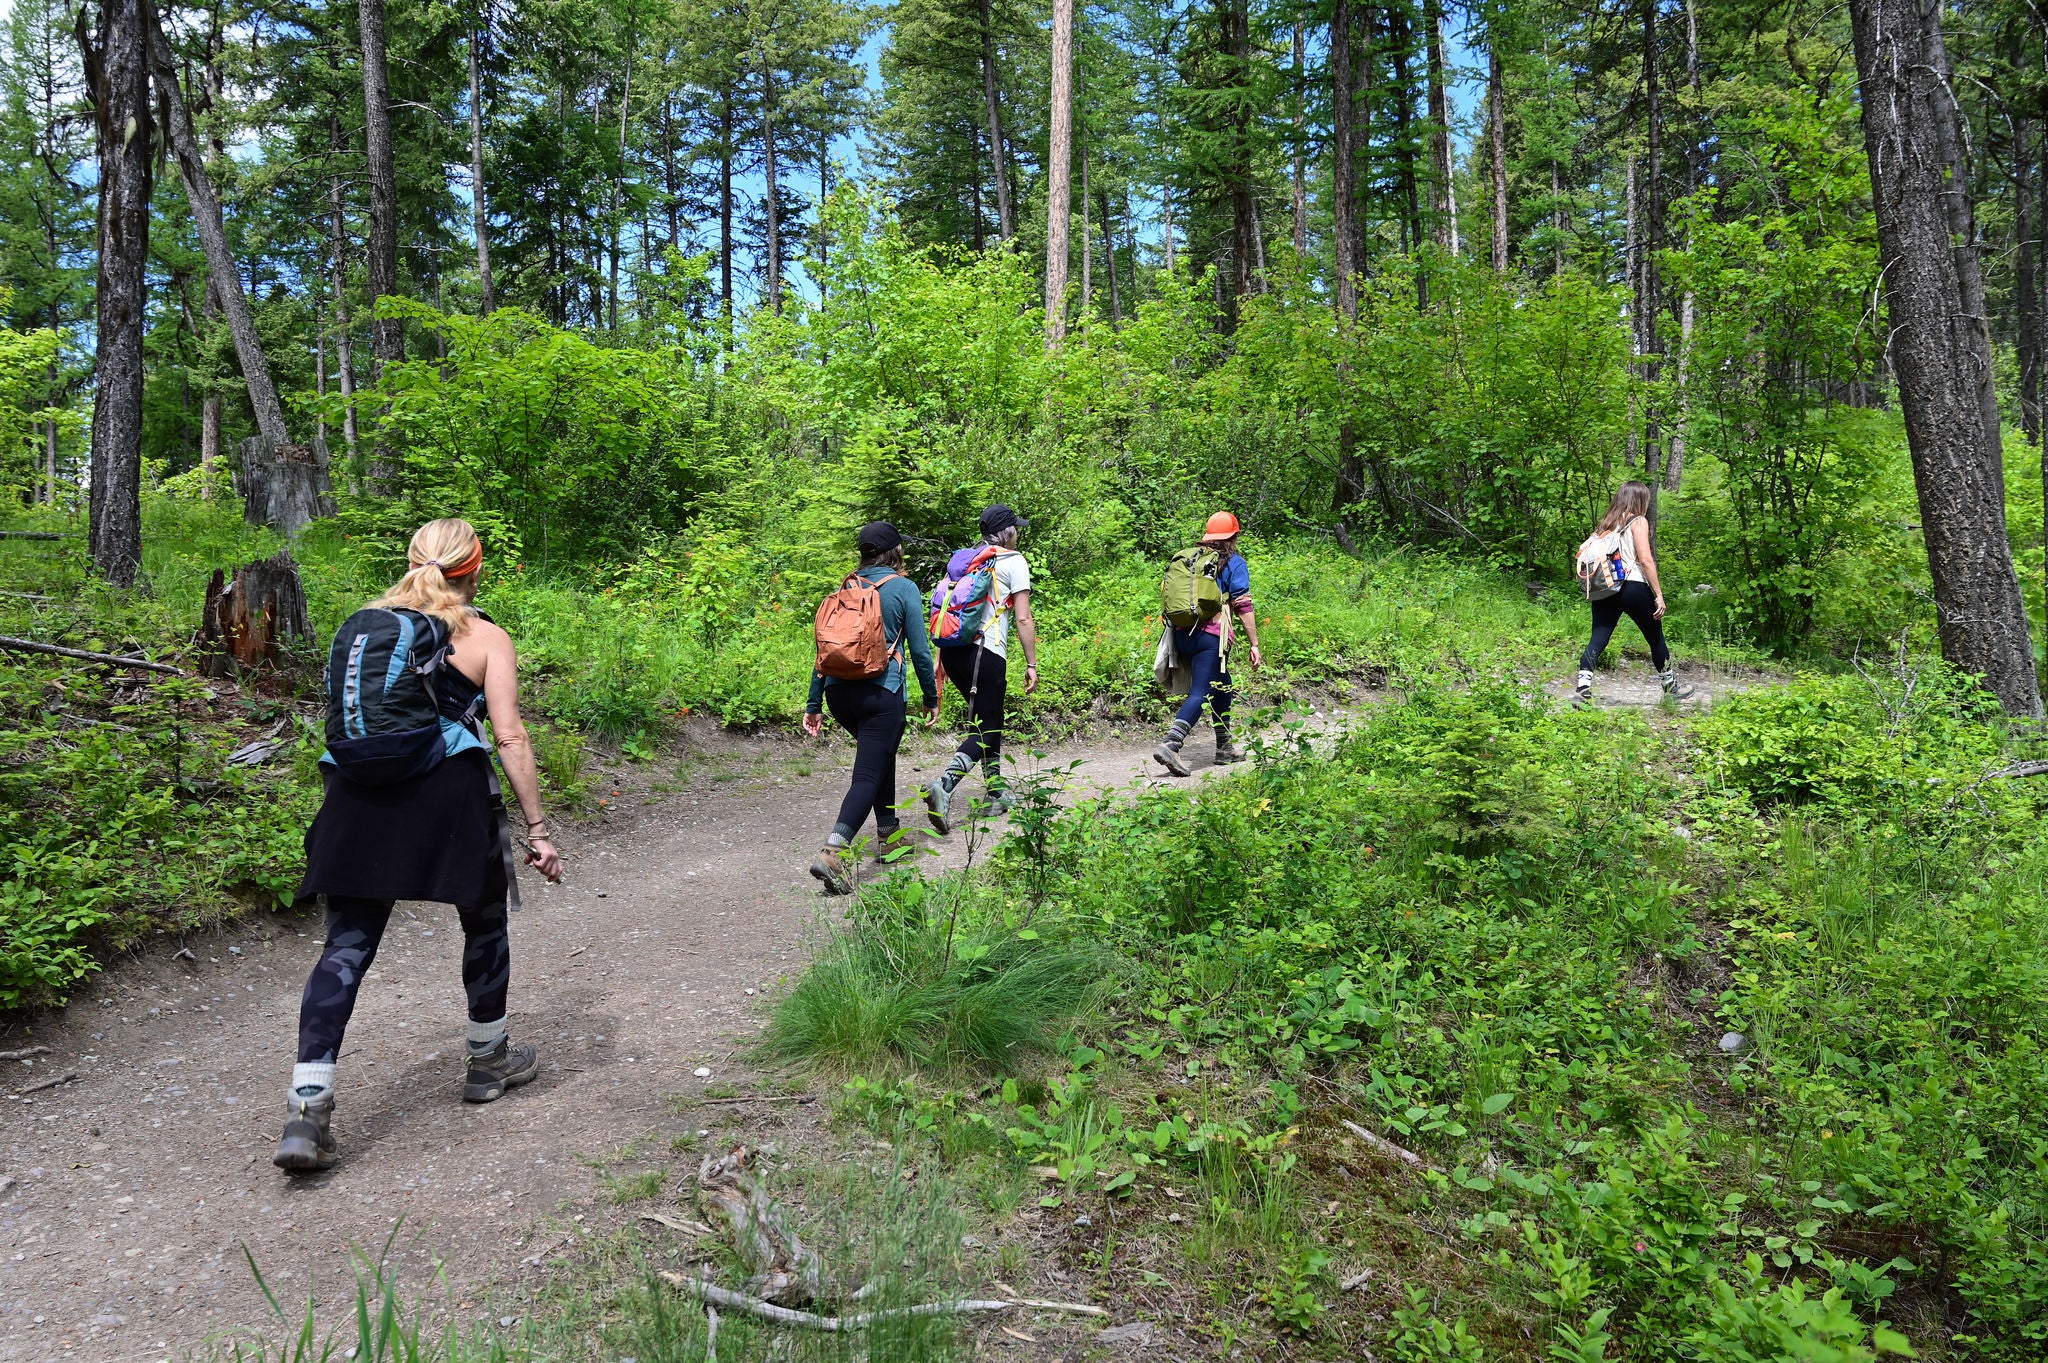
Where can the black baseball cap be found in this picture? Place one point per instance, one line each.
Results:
(1001, 517)
(878, 537)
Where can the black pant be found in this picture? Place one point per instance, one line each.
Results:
(989, 688)
(1639, 603)
(355, 927)
(874, 715)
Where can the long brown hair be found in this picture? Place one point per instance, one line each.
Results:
(1631, 499)
(425, 587)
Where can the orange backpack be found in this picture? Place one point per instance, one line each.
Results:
(852, 644)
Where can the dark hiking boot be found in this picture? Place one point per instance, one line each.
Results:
(1228, 752)
(832, 870)
(997, 804)
(1674, 688)
(307, 1143)
(938, 806)
(1168, 756)
(491, 1073)
(1582, 694)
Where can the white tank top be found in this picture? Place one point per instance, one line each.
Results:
(1632, 569)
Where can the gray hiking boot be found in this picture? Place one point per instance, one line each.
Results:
(1227, 752)
(938, 806)
(1582, 694)
(307, 1144)
(996, 804)
(507, 1067)
(1674, 688)
(833, 870)
(1168, 756)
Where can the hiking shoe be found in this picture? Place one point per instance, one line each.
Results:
(1674, 688)
(1168, 757)
(938, 807)
(1227, 753)
(491, 1073)
(997, 804)
(1582, 694)
(307, 1143)
(832, 871)
(894, 845)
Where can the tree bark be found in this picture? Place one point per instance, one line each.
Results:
(1059, 170)
(1442, 213)
(725, 208)
(1087, 246)
(1343, 164)
(480, 214)
(244, 622)
(1116, 306)
(1235, 19)
(2026, 283)
(772, 196)
(224, 278)
(387, 334)
(1300, 182)
(1648, 300)
(1006, 213)
(1940, 344)
(344, 340)
(117, 74)
(1497, 143)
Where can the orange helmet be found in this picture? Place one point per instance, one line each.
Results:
(1221, 526)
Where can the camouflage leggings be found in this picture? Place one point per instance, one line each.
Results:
(354, 929)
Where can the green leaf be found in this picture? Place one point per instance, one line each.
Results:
(1891, 1342)
(1497, 1103)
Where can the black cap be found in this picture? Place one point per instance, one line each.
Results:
(878, 537)
(1001, 517)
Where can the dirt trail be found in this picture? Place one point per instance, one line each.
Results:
(127, 1194)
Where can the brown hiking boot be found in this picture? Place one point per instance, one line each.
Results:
(834, 870)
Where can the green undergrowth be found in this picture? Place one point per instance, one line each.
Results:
(1723, 1037)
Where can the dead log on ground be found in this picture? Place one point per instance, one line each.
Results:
(783, 1267)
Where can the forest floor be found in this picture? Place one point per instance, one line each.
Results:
(129, 1194)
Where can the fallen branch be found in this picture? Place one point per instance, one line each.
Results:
(33, 535)
(781, 1264)
(1380, 1145)
(713, 1295)
(63, 1078)
(784, 1098)
(31, 646)
(1355, 1281)
(24, 1053)
(676, 1223)
(2020, 769)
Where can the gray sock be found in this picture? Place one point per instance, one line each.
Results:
(485, 1037)
(956, 770)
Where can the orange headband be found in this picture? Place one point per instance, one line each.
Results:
(470, 564)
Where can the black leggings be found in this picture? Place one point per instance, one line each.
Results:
(984, 741)
(1639, 603)
(355, 927)
(874, 715)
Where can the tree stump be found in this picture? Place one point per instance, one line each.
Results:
(247, 620)
(285, 486)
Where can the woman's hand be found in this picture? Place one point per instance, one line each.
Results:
(1258, 661)
(814, 725)
(1660, 606)
(542, 856)
(1030, 678)
(931, 715)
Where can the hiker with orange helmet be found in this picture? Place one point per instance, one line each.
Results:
(1207, 592)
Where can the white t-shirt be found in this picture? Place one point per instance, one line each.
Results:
(1012, 575)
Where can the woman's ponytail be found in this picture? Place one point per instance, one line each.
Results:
(440, 550)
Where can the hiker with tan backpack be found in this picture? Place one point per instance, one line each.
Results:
(1617, 572)
(863, 632)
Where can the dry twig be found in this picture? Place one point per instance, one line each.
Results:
(24, 1053)
(713, 1295)
(31, 646)
(1380, 1145)
(63, 1078)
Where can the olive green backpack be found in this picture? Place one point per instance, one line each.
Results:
(1189, 595)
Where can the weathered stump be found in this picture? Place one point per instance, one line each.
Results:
(247, 620)
(284, 486)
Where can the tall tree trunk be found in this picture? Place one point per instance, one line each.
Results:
(980, 241)
(1649, 297)
(1087, 247)
(1497, 141)
(224, 280)
(1343, 164)
(1940, 344)
(1059, 172)
(1234, 17)
(1166, 222)
(1006, 213)
(725, 208)
(1116, 307)
(1300, 182)
(2026, 285)
(773, 190)
(344, 339)
(824, 193)
(1443, 214)
(480, 214)
(668, 170)
(117, 73)
(387, 334)
(1403, 36)
(211, 408)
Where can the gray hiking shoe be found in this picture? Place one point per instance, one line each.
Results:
(833, 870)
(995, 805)
(1168, 756)
(491, 1073)
(1674, 688)
(938, 806)
(1228, 752)
(1582, 693)
(307, 1144)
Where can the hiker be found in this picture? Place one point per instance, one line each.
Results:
(863, 631)
(1206, 591)
(1618, 574)
(984, 587)
(413, 811)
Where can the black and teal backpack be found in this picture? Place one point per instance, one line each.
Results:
(383, 717)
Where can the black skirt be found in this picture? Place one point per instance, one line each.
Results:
(431, 838)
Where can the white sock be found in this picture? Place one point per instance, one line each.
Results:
(312, 1080)
(485, 1036)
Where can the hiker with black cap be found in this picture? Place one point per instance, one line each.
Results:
(985, 587)
(863, 631)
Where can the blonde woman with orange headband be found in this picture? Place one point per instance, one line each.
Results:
(437, 834)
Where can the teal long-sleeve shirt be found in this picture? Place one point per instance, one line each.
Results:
(903, 624)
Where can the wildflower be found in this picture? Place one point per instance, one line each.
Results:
(1641, 1246)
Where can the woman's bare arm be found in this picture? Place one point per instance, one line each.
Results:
(515, 745)
(1648, 560)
